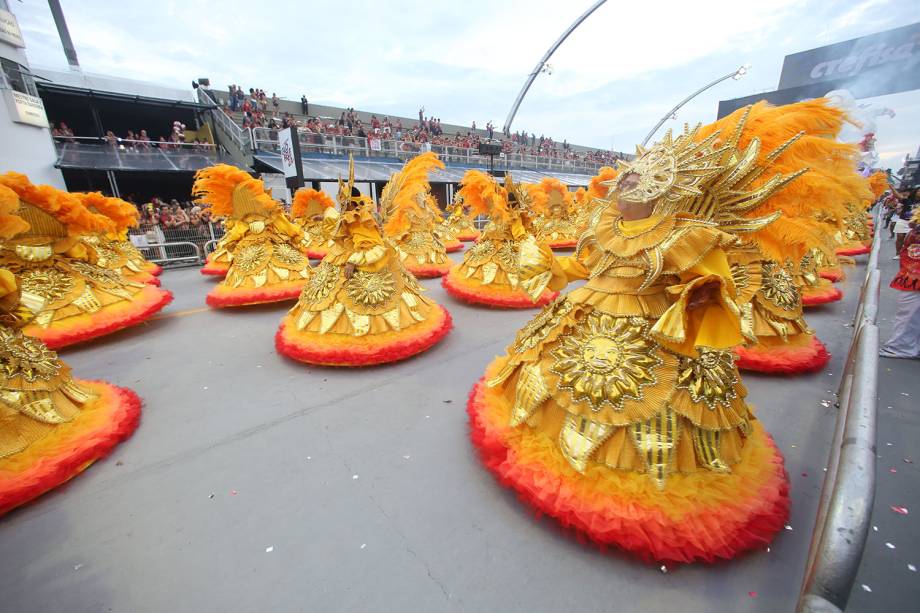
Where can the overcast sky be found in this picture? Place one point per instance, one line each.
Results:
(612, 79)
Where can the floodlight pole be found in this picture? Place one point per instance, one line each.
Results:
(736, 74)
(542, 62)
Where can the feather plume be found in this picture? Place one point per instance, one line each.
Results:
(62, 206)
(214, 187)
(405, 192)
(10, 223)
(595, 187)
(483, 194)
(123, 214)
(878, 183)
(309, 202)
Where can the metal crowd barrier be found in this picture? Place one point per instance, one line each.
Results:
(176, 246)
(845, 506)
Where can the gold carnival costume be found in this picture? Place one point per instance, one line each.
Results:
(315, 213)
(557, 227)
(79, 299)
(361, 307)
(618, 409)
(458, 225)
(411, 220)
(217, 263)
(491, 269)
(52, 427)
(266, 264)
(113, 249)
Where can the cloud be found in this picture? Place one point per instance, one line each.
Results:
(612, 79)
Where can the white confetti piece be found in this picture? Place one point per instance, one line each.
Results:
(428, 417)
(363, 545)
(258, 366)
(866, 588)
(905, 394)
(768, 550)
(912, 568)
(875, 528)
(887, 444)
(354, 477)
(269, 549)
(825, 403)
(406, 457)
(205, 387)
(78, 566)
(889, 545)
(309, 457)
(788, 527)
(663, 569)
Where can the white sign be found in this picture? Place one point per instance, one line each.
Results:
(286, 147)
(9, 29)
(376, 144)
(25, 108)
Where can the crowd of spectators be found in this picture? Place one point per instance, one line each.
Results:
(261, 111)
(139, 140)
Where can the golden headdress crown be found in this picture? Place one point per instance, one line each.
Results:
(347, 193)
(518, 196)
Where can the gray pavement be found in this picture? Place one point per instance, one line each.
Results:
(259, 484)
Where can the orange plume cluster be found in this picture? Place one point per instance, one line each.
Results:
(878, 183)
(63, 206)
(483, 194)
(123, 214)
(407, 191)
(595, 189)
(10, 223)
(557, 192)
(214, 187)
(309, 202)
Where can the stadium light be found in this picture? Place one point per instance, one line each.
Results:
(735, 75)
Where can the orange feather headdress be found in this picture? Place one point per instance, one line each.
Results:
(309, 202)
(51, 211)
(123, 214)
(406, 192)
(483, 194)
(557, 192)
(878, 183)
(11, 224)
(596, 187)
(228, 191)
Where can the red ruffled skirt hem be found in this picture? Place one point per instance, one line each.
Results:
(71, 447)
(468, 237)
(699, 517)
(428, 271)
(860, 250)
(154, 269)
(149, 301)
(832, 274)
(489, 297)
(316, 254)
(784, 359)
(453, 246)
(215, 270)
(221, 296)
(821, 296)
(570, 244)
(332, 350)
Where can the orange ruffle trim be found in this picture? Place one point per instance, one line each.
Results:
(215, 269)
(570, 244)
(428, 271)
(223, 296)
(468, 237)
(338, 350)
(316, 254)
(70, 448)
(453, 246)
(703, 516)
(854, 250)
(832, 274)
(475, 293)
(820, 295)
(109, 319)
(804, 353)
(154, 269)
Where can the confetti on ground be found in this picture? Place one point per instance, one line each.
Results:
(406, 457)
(912, 568)
(793, 446)
(354, 477)
(825, 403)
(211, 496)
(447, 401)
(205, 387)
(258, 366)
(875, 528)
(908, 461)
(788, 527)
(428, 417)
(905, 394)
(804, 474)
(889, 545)
(233, 492)
(752, 594)
(893, 470)
(768, 550)
(269, 549)
(363, 545)
(899, 510)
(309, 457)
(663, 569)
(79, 566)
(866, 588)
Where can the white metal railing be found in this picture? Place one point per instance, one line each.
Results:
(126, 144)
(240, 137)
(266, 139)
(176, 245)
(845, 506)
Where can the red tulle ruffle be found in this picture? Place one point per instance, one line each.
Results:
(453, 247)
(856, 250)
(71, 448)
(222, 296)
(821, 295)
(154, 269)
(788, 359)
(704, 531)
(570, 244)
(428, 271)
(214, 269)
(468, 237)
(511, 300)
(832, 274)
(364, 351)
(316, 254)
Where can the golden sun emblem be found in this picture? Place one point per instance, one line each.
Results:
(322, 282)
(607, 361)
(49, 283)
(711, 378)
(286, 254)
(250, 258)
(370, 289)
(778, 286)
(26, 357)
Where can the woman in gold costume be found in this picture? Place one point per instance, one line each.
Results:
(113, 249)
(52, 426)
(361, 306)
(411, 219)
(217, 263)
(312, 210)
(458, 225)
(80, 300)
(266, 264)
(490, 272)
(557, 227)
(618, 409)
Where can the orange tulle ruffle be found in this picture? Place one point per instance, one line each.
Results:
(474, 293)
(468, 237)
(109, 319)
(215, 269)
(703, 516)
(803, 353)
(570, 244)
(820, 295)
(71, 447)
(428, 271)
(338, 350)
(223, 296)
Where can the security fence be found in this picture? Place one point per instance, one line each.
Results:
(186, 246)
